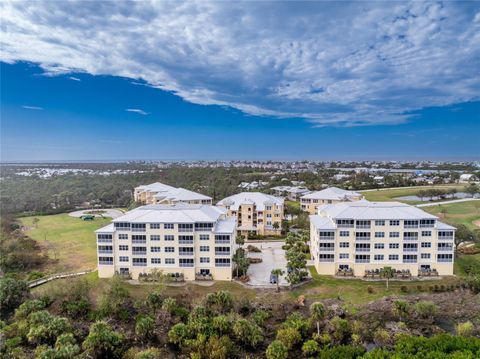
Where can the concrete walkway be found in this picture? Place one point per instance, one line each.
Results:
(37, 282)
(108, 212)
(447, 202)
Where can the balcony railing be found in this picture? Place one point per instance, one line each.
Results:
(445, 249)
(362, 238)
(326, 249)
(139, 253)
(185, 230)
(222, 241)
(185, 253)
(363, 226)
(326, 260)
(410, 238)
(139, 241)
(410, 249)
(222, 264)
(325, 238)
(105, 262)
(345, 225)
(138, 264)
(186, 264)
(221, 253)
(444, 260)
(427, 225)
(185, 241)
(138, 229)
(409, 261)
(105, 251)
(104, 240)
(410, 226)
(362, 260)
(362, 249)
(445, 238)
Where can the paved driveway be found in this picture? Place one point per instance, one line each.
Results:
(273, 257)
(109, 212)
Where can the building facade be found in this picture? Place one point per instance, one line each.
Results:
(256, 213)
(186, 239)
(365, 235)
(159, 193)
(331, 195)
(293, 193)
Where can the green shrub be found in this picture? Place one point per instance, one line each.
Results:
(310, 348)
(276, 350)
(102, 341)
(425, 309)
(464, 329)
(289, 337)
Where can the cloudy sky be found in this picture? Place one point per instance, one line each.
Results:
(126, 80)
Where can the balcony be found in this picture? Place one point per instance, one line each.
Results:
(104, 240)
(427, 225)
(444, 260)
(138, 230)
(410, 249)
(105, 263)
(362, 238)
(363, 226)
(222, 264)
(105, 251)
(326, 249)
(326, 260)
(410, 238)
(410, 226)
(409, 261)
(362, 260)
(445, 238)
(139, 264)
(139, 241)
(445, 249)
(326, 238)
(362, 249)
(344, 225)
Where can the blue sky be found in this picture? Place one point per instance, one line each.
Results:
(228, 81)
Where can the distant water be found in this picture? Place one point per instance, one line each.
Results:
(459, 195)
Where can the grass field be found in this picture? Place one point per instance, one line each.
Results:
(457, 213)
(392, 194)
(70, 242)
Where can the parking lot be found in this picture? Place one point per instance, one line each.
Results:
(273, 257)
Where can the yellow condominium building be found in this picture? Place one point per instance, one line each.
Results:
(256, 213)
(186, 239)
(159, 193)
(311, 201)
(362, 235)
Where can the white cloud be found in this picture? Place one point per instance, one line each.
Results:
(332, 63)
(32, 107)
(74, 78)
(136, 110)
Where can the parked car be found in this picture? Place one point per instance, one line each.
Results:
(273, 279)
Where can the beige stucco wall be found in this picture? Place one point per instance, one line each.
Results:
(249, 216)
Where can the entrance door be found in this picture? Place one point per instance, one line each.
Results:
(204, 271)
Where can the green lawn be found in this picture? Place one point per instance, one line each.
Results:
(355, 291)
(69, 241)
(458, 213)
(392, 194)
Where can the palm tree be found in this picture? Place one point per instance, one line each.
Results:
(387, 273)
(278, 272)
(317, 311)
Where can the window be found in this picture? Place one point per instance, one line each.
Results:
(122, 236)
(139, 239)
(222, 262)
(426, 245)
(154, 249)
(122, 247)
(185, 227)
(344, 233)
(410, 247)
(410, 236)
(187, 251)
(394, 234)
(378, 257)
(445, 246)
(169, 260)
(104, 236)
(362, 258)
(362, 247)
(185, 239)
(426, 233)
(394, 245)
(410, 224)
(123, 259)
(204, 260)
(345, 223)
(155, 260)
(379, 234)
(154, 237)
(326, 246)
(154, 225)
(344, 255)
(379, 223)
(203, 226)
(168, 226)
(122, 226)
(363, 224)
(325, 258)
(204, 237)
(169, 249)
(362, 235)
(204, 249)
(222, 238)
(379, 246)
(322, 235)
(409, 258)
(395, 222)
(425, 256)
(222, 251)
(138, 227)
(344, 245)
(425, 223)
(139, 250)
(169, 237)
(139, 262)
(105, 249)
(445, 235)
(444, 257)
(268, 208)
(393, 257)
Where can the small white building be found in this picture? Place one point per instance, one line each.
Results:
(292, 193)
(311, 201)
(468, 178)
